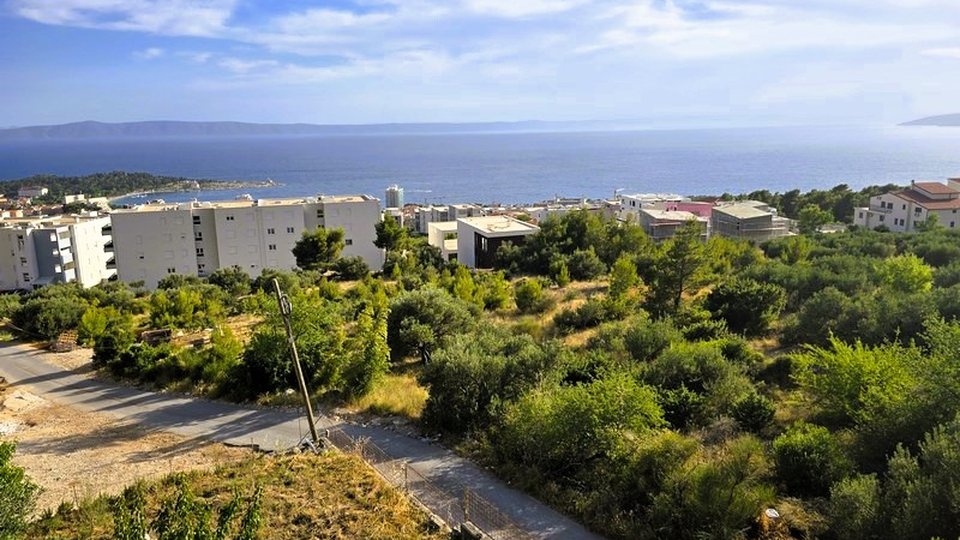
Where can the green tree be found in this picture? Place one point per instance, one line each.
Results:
(318, 249)
(391, 236)
(18, 494)
(905, 273)
(371, 354)
(232, 279)
(420, 320)
(854, 508)
(351, 268)
(529, 296)
(680, 267)
(585, 265)
(623, 277)
(747, 306)
(812, 217)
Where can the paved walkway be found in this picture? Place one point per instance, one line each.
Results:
(270, 429)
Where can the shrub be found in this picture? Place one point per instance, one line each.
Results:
(584, 265)
(854, 508)
(748, 307)
(529, 296)
(808, 459)
(646, 339)
(753, 412)
(18, 494)
(351, 268)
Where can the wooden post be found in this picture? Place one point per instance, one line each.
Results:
(285, 310)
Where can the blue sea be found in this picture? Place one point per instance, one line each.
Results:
(517, 167)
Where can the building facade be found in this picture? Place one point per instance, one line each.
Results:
(663, 224)
(41, 251)
(195, 239)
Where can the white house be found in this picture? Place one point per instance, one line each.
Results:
(29, 192)
(903, 210)
(443, 235)
(754, 221)
(478, 238)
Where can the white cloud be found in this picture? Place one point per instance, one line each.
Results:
(522, 8)
(168, 17)
(150, 53)
(236, 65)
(945, 52)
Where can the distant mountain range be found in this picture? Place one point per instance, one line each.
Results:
(153, 129)
(944, 120)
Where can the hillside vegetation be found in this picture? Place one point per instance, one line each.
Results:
(673, 390)
(294, 497)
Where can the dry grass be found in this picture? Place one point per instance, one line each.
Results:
(332, 496)
(396, 394)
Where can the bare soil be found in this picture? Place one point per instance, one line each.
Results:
(74, 454)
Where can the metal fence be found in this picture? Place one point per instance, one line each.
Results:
(453, 505)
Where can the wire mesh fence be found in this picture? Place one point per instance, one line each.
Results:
(453, 504)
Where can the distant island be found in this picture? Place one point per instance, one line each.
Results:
(943, 120)
(161, 129)
(117, 184)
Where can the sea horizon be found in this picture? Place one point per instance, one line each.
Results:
(515, 167)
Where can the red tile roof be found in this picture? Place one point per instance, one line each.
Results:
(930, 204)
(936, 188)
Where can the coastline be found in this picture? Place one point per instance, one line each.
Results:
(198, 186)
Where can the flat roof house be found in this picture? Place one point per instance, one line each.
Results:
(663, 224)
(748, 220)
(478, 238)
(443, 235)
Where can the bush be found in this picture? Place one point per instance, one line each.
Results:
(48, 317)
(18, 494)
(748, 307)
(584, 265)
(753, 412)
(646, 339)
(529, 296)
(592, 313)
(808, 460)
(420, 320)
(351, 268)
(854, 508)
(560, 430)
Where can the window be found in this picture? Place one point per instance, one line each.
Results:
(198, 236)
(861, 215)
(229, 218)
(140, 256)
(23, 260)
(348, 242)
(201, 267)
(319, 213)
(171, 270)
(904, 207)
(291, 229)
(26, 276)
(200, 252)
(271, 231)
(196, 220)
(272, 247)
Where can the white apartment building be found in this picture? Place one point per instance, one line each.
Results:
(197, 238)
(903, 210)
(44, 250)
(394, 197)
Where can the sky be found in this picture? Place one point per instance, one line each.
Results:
(663, 63)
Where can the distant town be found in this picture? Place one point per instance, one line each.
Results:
(84, 240)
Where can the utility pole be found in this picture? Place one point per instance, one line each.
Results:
(285, 310)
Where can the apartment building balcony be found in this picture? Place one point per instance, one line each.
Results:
(107, 230)
(112, 263)
(108, 247)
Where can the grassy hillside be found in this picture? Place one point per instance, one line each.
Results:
(304, 496)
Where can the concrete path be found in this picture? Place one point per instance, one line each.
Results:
(270, 429)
